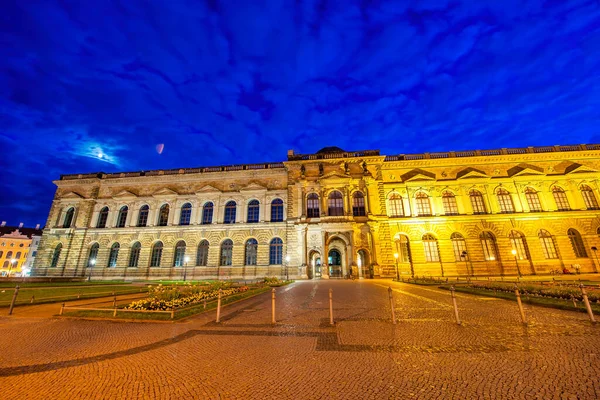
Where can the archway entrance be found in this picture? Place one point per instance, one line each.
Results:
(363, 264)
(334, 260)
(314, 265)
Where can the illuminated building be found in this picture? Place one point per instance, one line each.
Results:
(18, 248)
(490, 212)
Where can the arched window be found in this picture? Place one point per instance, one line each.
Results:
(423, 204)
(102, 217)
(179, 259)
(505, 201)
(134, 256)
(207, 213)
(403, 248)
(5, 265)
(396, 205)
(143, 216)
(156, 256)
(335, 204)
(122, 218)
(1, 253)
(488, 243)
(477, 202)
(55, 255)
(229, 213)
(548, 244)
(93, 255)
(69, 218)
(9, 254)
(275, 251)
(114, 254)
(577, 243)
(202, 257)
(449, 201)
(163, 215)
(18, 255)
(459, 246)
(312, 206)
(277, 210)
(588, 197)
(358, 205)
(253, 211)
(518, 243)
(251, 251)
(186, 214)
(560, 197)
(226, 252)
(533, 200)
(430, 245)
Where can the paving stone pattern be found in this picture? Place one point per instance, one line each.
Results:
(363, 356)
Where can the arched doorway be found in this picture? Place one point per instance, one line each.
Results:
(362, 261)
(314, 265)
(334, 260)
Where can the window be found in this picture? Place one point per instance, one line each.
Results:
(1, 253)
(277, 210)
(18, 255)
(122, 218)
(102, 217)
(560, 197)
(134, 256)
(156, 256)
(55, 255)
(577, 243)
(335, 204)
(505, 201)
(488, 243)
(548, 245)
(93, 256)
(449, 201)
(226, 252)
(312, 206)
(588, 197)
(533, 200)
(430, 245)
(251, 250)
(207, 213)
(275, 251)
(179, 259)
(69, 217)
(163, 215)
(9, 254)
(143, 216)
(186, 214)
(32, 254)
(229, 213)
(423, 204)
(458, 245)
(396, 205)
(253, 211)
(403, 248)
(202, 257)
(114, 254)
(358, 205)
(518, 243)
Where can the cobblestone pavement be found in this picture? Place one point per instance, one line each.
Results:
(364, 356)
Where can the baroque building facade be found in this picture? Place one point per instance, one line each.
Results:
(332, 214)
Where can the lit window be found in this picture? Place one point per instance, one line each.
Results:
(186, 214)
(253, 211)
(403, 249)
(488, 243)
(312, 206)
(143, 216)
(179, 259)
(163, 215)
(55, 255)
(577, 243)
(423, 204)
(335, 204)
(122, 218)
(102, 217)
(276, 251)
(69, 217)
(134, 256)
(251, 251)
(548, 245)
(277, 210)
(207, 213)
(226, 252)
(518, 243)
(459, 246)
(114, 254)
(156, 256)
(93, 256)
(430, 245)
(358, 205)
(505, 201)
(449, 201)
(560, 197)
(230, 209)
(396, 205)
(533, 200)
(202, 257)
(588, 197)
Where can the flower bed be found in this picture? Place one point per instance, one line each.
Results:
(528, 289)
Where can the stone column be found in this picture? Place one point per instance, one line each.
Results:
(325, 257)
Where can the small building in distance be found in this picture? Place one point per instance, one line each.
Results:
(18, 248)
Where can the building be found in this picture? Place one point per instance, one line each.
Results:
(333, 213)
(18, 247)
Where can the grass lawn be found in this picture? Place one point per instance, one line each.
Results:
(57, 284)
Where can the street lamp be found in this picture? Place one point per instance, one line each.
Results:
(514, 253)
(12, 265)
(186, 259)
(287, 261)
(92, 263)
(397, 271)
(463, 255)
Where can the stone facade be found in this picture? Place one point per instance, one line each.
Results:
(332, 214)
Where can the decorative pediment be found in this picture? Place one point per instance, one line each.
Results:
(525, 170)
(334, 175)
(471, 173)
(165, 192)
(208, 189)
(72, 195)
(417, 175)
(578, 168)
(124, 194)
(253, 187)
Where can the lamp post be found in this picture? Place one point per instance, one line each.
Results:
(92, 263)
(11, 266)
(397, 271)
(464, 255)
(514, 253)
(287, 262)
(185, 259)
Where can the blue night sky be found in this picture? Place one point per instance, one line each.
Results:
(91, 86)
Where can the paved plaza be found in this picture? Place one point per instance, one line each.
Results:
(364, 356)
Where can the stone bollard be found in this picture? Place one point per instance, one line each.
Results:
(330, 306)
(455, 306)
(273, 305)
(62, 309)
(518, 294)
(587, 303)
(392, 305)
(32, 299)
(115, 311)
(14, 298)
(172, 312)
(574, 301)
(115, 302)
(205, 304)
(219, 308)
